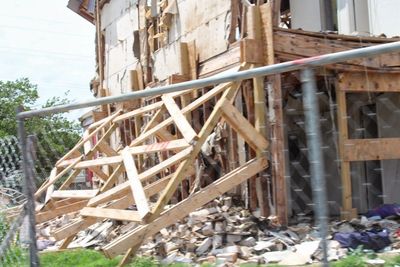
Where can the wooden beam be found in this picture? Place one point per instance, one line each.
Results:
(182, 209)
(135, 184)
(180, 121)
(347, 211)
(251, 51)
(53, 179)
(70, 179)
(77, 194)
(73, 228)
(138, 112)
(107, 149)
(243, 127)
(99, 173)
(48, 215)
(113, 214)
(113, 178)
(175, 145)
(371, 149)
(144, 176)
(275, 114)
(262, 186)
(66, 242)
(296, 44)
(83, 223)
(369, 82)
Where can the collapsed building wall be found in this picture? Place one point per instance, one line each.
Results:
(146, 44)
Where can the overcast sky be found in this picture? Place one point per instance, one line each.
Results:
(46, 42)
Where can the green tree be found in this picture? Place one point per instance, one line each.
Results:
(55, 134)
(13, 94)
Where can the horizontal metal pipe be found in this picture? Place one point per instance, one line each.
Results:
(222, 78)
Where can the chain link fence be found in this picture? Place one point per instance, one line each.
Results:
(13, 248)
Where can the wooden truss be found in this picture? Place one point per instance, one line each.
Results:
(127, 181)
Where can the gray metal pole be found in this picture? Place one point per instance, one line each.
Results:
(222, 78)
(316, 159)
(27, 166)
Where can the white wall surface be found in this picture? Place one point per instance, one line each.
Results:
(384, 17)
(353, 17)
(306, 14)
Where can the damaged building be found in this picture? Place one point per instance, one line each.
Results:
(178, 151)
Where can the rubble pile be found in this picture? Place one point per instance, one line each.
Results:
(222, 232)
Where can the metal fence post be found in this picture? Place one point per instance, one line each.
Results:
(313, 131)
(27, 166)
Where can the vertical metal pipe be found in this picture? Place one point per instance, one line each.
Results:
(27, 166)
(314, 144)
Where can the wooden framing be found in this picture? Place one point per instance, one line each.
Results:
(371, 149)
(177, 212)
(135, 184)
(351, 150)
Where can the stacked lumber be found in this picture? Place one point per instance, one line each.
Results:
(146, 187)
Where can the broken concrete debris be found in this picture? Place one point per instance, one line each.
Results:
(234, 236)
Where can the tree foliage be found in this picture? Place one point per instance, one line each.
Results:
(13, 94)
(55, 134)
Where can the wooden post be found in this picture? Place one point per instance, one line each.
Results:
(275, 115)
(347, 211)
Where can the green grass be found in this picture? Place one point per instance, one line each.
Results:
(92, 258)
(77, 258)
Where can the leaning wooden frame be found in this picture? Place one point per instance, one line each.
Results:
(125, 182)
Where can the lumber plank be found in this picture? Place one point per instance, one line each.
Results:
(70, 179)
(84, 222)
(144, 176)
(275, 112)
(66, 242)
(113, 178)
(107, 149)
(371, 149)
(63, 202)
(87, 146)
(251, 51)
(371, 82)
(53, 179)
(180, 210)
(298, 44)
(180, 120)
(73, 228)
(243, 127)
(48, 215)
(175, 145)
(138, 111)
(77, 194)
(347, 211)
(135, 184)
(98, 172)
(114, 160)
(114, 214)
(105, 136)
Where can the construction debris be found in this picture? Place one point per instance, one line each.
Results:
(235, 235)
